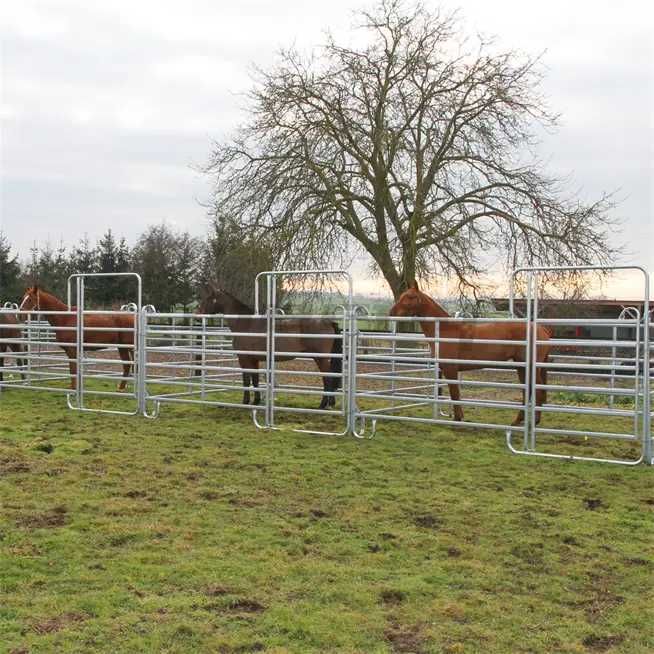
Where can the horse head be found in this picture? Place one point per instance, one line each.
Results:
(216, 300)
(410, 303)
(212, 299)
(31, 299)
(413, 302)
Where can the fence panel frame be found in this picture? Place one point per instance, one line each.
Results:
(271, 313)
(76, 398)
(642, 433)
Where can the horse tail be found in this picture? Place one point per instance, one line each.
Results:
(336, 364)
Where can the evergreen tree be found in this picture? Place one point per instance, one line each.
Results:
(60, 271)
(83, 258)
(232, 259)
(10, 273)
(106, 291)
(186, 269)
(153, 257)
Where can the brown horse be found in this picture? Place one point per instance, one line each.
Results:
(415, 303)
(216, 301)
(36, 298)
(9, 331)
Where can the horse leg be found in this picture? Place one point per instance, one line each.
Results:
(245, 362)
(525, 394)
(247, 378)
(541, 393)
(325, 367)
(3, 349)
(127, 366)
(452, 373)
(22, 363)
(72, 365)
(254, 377)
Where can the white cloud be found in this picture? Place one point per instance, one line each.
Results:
(105, 105)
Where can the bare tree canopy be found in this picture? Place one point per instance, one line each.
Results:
(417, 147)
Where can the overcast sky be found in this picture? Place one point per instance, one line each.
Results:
(107, 106)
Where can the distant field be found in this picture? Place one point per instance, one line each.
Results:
(198, 533)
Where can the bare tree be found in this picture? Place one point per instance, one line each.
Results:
(417, 148)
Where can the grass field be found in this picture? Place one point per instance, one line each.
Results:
(197, 533)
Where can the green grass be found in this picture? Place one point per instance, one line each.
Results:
(197, 533)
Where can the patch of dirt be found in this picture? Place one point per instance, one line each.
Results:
(602, 598)
(55, 517)
(428, 521)
(637, 561)
(244, 605)
(317, 513)
(13, 466)
(392, 596)
(244, 502)
(19, 650)
(455, 613)
(136, 591)
(215, 590)
(406, 640)
(136, 493)
(530, 553)
(25, 549)
(122, 539)
(55, 472)
(649, 501)
(595, 643)
(374, 548)
(454, 552)
(570, 540)
(592, 504)
(209, 495)
(52, 625)
(387, 536)
(242, 649)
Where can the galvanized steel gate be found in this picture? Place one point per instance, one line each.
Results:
(387, 373)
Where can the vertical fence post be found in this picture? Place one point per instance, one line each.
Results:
(140, 359)
(534, 366)
(269, 337)
(352, 369)
(79, 333)
(436, 404)
(526, 395)
(203, 360)
(647, 398)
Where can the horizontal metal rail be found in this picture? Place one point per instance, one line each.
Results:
(371, 376)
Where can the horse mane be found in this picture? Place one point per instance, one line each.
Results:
(49, 296)
(436, 306)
